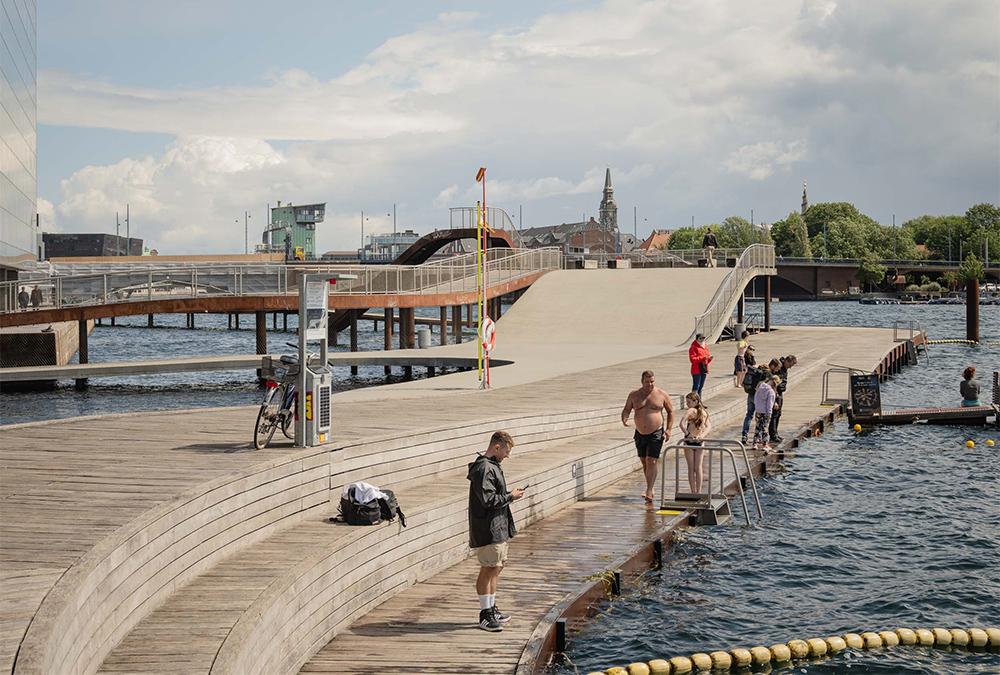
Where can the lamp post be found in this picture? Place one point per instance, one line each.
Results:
(246, 232)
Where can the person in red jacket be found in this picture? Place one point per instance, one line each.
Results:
(700, 357)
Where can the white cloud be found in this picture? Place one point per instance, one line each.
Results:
(759, 160)
(700, 107)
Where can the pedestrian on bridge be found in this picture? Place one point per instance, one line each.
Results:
(36, 297)
(491, 525)
(23, 298)
(700, 357)
(709, 243)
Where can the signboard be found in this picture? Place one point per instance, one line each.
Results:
(316, 307)
(866, 399)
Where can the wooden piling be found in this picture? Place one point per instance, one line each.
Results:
(443, 326)
(767, 303)
(260, 331)
(81, 383)
(741, 305)
(387, 334)
(149, 321)
(411, 328)
(972, 310)
(354, 338)
(456, 323)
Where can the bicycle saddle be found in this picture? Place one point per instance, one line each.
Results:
(289, 359)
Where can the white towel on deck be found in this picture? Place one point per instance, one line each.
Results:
(363, 492)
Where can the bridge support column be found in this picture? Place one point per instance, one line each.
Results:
(767, 303)
(332, 334)
(411, 328)
(81, 383)
(354, 337)
(229, 320)
(237, 320)
(741, 307)
(260, 331)
(284, 322)
(149, 321)
(274, 321)
(443, 326)
(468, 321)
(112, 321)
(387, 334)
(456, 323)
(402, 327)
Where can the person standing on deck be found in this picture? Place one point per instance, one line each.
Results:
(740, 363)
(696, 426)
(651, 428)
(700, 357)
(709, 243)
(491, 525)
(786, 363)
(763, 402)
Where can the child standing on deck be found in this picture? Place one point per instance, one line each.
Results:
(696, 426)
(763, 403)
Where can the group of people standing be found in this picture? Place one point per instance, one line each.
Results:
(34, 298)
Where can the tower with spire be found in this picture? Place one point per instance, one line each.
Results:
(805, 199)
(609, 209)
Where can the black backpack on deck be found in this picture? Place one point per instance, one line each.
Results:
(390, 507)
(354, 512)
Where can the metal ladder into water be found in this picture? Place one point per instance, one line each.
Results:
(711, 508)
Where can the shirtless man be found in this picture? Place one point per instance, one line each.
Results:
(649, 402)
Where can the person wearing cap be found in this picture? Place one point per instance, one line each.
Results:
(740, 363)
(700, 357)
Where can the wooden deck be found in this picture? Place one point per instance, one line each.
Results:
(70, 486)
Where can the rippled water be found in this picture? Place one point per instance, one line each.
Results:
(896, 527)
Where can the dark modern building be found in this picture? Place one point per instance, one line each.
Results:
(64, 245)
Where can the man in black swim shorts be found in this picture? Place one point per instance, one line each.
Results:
(652, 428)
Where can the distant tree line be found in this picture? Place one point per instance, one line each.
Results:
(840, 230)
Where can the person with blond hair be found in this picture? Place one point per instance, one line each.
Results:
(763, 404)
(696, 426)
(491, 525)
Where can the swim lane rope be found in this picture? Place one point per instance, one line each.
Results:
(783, 654)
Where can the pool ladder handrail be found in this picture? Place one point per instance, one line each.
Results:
(722, 447)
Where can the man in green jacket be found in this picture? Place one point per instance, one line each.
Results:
(491, 525)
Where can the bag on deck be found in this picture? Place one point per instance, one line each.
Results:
(354, 512)
(753, 377)
(390, 507)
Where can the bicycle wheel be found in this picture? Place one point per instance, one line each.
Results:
(287, 416)
(267, 420)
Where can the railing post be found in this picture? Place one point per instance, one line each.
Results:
(149, 289)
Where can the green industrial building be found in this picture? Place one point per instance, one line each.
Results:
(292, 227)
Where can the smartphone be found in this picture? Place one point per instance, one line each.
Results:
(528, 485)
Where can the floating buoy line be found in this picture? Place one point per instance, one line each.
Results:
(785, 654)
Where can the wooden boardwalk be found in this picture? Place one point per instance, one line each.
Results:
(68, 485)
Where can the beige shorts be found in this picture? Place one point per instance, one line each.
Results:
(492, 555)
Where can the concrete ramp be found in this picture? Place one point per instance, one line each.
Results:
(575, 320)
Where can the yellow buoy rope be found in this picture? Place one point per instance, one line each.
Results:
(976, 639)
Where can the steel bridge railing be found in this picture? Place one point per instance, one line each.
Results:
(754, 260)
(457, 274)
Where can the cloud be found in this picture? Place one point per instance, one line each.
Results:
(758, 161)
(699, 107)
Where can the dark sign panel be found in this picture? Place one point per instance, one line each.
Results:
(866, 401)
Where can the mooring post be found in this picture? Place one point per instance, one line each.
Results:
(354, 337)
(616, 583)
(387, 334)
(456, 323)
(81, 383)
(972, 310)
(657, 553)
(443, 326)
(560, 636)
(767, 303)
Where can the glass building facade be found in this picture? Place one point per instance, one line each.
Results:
(18, 107)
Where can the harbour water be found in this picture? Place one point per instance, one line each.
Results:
(899, 526)
(130, 339)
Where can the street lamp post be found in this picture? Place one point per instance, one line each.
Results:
(246, 232)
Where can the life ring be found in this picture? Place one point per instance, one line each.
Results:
(488, 334)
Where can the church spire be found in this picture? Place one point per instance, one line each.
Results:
(609, 209)
(805, 199)
(607, 183)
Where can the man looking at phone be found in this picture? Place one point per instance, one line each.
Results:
(491, 525)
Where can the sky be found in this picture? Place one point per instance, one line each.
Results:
(194, 113)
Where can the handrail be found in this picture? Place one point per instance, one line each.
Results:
(451, 275)
(755, 259)
(709, 449)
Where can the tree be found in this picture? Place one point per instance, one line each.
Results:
(971, 269)
(871, 271)
(825, 213)
(949, 279)
(791, 238)
(983, 221)
(686, 238)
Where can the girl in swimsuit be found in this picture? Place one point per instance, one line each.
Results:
(696, 426)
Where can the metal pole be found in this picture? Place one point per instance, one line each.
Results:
(393, 223)
(128, 236)
(246, 232)
(361, 253)
(895, 252)
(118, 237)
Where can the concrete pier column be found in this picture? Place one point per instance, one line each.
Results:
(402, 327)
(456, 323)
(260, 331)
(81, 383)
(229, 320)
(387, 334)
(354, 338)
(767, 303)
(443, 326)
(149, 321)
(284, 322)
(237, 320)
(741, 306)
